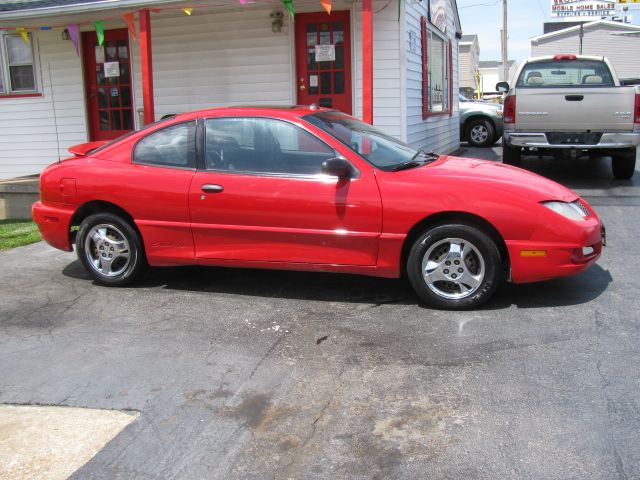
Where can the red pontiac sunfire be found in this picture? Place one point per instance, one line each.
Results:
(303, 188)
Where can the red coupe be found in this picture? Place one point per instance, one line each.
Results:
(303, 188)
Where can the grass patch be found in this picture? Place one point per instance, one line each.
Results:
(16, 233)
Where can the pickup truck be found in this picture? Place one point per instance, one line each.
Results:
(569, 105)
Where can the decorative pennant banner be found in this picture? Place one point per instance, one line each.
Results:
(326, 4)
(24, 33)
(74, 36)
(243, 2)
(99, 26)
(187, 11)
(290, 9)
(131, 24)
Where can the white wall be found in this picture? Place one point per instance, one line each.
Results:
(439, 133)
(622, 51)
(29, 138)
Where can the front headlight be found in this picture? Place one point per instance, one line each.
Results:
(566, 209)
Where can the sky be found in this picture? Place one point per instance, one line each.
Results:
(525, 19)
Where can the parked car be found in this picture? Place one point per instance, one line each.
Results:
(567, 105)
(480, 122)
(302, 188)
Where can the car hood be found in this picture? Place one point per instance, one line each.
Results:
(470, 172)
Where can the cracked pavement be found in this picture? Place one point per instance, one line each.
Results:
(234, 378)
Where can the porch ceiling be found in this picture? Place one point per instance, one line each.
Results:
(86, 11)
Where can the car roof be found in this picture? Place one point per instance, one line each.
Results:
(289, 111)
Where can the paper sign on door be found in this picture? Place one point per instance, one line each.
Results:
(325, 53)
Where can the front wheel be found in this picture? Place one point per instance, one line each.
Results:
(480, 133)
(110, 249)
(623, 163)
(454, 267)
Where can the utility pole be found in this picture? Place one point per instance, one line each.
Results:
(505, 36)
(581, 35)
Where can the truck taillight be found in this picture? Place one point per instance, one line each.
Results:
(636, 109)
(565, 57)
(509, 109)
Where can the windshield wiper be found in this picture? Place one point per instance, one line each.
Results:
(414, 162)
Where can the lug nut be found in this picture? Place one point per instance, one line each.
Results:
(446, 271)
(447, 263)
(459, 270)
(453, 276)
(457, 262)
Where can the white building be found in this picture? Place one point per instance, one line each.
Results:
(491, 72)
(223, 53)
(601, 37)
(468, 64)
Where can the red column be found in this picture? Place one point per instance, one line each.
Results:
(146, 66)
(367, 61)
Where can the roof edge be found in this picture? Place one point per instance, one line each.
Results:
(575, 28)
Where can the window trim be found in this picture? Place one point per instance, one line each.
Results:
(178, 167)
(448, 56)
(299, 176)
(5, 73)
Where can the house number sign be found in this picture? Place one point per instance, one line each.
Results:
(325, 53)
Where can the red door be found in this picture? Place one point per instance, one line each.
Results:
(107, 73)
(323, 60)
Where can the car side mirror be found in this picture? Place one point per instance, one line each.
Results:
(337, 167)
(502, 87)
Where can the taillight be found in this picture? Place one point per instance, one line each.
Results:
(636, 109)
(565, 57)
(509, 109)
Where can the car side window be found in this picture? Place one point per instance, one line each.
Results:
(174, 146)
(263, 145)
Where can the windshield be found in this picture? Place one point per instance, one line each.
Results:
(565, 73)
(378, 148)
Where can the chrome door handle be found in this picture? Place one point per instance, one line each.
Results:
(211, 188)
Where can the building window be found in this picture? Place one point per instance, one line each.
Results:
(436, 72)
(17, 66)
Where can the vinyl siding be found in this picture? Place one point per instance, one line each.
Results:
(622, 51)
(439, 133)
(32, 135)
(387, 84)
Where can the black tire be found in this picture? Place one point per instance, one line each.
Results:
(623, 164)
(480, 132)
(104, 234)
(511, 155)
(481, 264)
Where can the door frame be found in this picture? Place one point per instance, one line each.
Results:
(89, 120)
(353, 31)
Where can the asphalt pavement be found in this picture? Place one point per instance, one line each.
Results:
(259, 374)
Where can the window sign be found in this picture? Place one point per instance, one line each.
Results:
(111, 69)
(325, 53)
(99, 52)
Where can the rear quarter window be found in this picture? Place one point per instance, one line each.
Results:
(565, 74)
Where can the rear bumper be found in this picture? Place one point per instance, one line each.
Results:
(53, 220)
(539, 140)
(528, 264)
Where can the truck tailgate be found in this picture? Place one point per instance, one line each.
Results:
(575, 110)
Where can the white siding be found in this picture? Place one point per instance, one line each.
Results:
(622, 51)
(387, 85)
(439, 133)
(29, 138)
(216, 59)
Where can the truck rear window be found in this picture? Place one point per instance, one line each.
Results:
(565, 73)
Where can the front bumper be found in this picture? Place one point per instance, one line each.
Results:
(539, 140)
(528, 264)
(54, 220)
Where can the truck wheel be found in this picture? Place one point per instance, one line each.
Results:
(480, 133)
(511, 155)
(623, 164)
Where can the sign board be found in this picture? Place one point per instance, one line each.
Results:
(438, 14)
(111, 69)
(325, 53)
(583, 8)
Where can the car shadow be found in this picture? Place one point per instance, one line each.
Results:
(333, 287)
(581, 173)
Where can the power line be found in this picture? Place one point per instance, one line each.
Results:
(480, 5)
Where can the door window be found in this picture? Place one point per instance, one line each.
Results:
(263, 145)
(173, 146)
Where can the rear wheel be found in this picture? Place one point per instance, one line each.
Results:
(110, 249)
(480, 133)
(511, 155)
(623, 163)
(454, 267)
